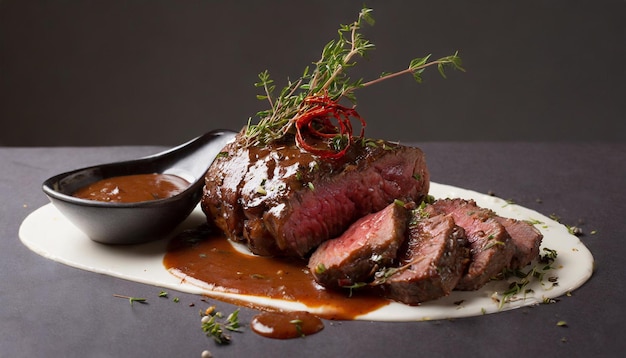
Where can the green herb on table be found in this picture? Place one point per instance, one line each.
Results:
(132, 299)
(214, 326)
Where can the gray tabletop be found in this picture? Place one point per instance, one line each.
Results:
(49, 309)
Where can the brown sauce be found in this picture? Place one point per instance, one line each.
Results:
(286, 325)
(215, 264)
(133, 188)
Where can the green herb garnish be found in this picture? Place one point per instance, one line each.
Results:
(132, 299)
(537, 273)
(215, 328)
(323, 87)
(354, 286)
(298, 324)
(320, 268)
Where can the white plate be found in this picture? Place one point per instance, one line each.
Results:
(47, 232)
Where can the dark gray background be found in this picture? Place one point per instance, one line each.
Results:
(162, 72)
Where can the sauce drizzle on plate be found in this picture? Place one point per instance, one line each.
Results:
(215, 264)
(286, 325)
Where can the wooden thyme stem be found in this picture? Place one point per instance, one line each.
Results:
(347, 57)
(400, 73)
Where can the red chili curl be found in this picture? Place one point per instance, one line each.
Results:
(317, 120)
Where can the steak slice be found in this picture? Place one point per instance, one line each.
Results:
(491, 249)
(525, 238)
(431, 262)
(283, 201)
(369, 244)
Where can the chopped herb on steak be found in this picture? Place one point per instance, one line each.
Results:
(491, 249)
(431, 263)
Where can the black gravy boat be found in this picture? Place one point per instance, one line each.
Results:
(134, 223)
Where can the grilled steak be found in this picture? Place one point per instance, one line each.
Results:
(491, 249)
(526, 240)
(283, 201)
(431, 262)
(369, 244)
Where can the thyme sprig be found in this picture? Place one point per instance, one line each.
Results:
(328, 78)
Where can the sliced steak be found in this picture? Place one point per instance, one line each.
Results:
(430, 264)
(283, 201)
(490, 244)
(369, 244)
(525, 238)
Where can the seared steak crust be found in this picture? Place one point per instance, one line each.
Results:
(431, 263)
(369, 244)
(283, 201)
(526, 240)
(491, 249)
